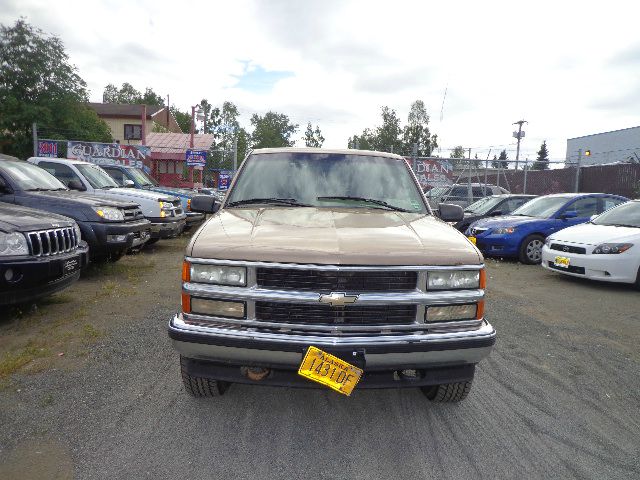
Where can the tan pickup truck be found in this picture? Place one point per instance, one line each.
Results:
(327, 267)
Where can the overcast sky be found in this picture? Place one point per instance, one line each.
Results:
(568, 68)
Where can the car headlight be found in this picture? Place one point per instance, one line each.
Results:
(504, 230)
(455, 279)
(13, 244)
(165, 208)
(218, 274)
(612, 248)
(109, 213)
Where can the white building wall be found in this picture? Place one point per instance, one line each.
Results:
(608, 147)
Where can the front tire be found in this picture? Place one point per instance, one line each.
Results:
(531, 250)
(448, 392)
(199, 386)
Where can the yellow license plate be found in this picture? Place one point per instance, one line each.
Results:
(562, 262)
(330, 371)
(472, 240)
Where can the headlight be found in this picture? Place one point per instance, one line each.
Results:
(219, 275)
(612, 248)
(504, 230)
(165, 208)
(109, 213)
(454, 279)
(449, 313)
(13, 244)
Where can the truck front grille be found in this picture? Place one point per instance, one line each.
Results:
(325, 314)
(52, 242)
(132, 213)
(336, 281)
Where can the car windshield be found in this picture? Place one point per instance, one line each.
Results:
(627, 215)
(31, 177)
(541, 207)
(142, 178)
(328, 180)
(96, 176)
(483, 205)
(437, 191)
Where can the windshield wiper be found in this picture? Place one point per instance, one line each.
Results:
(283, 201)
(107, 187)
(617, 225)
(381, 203)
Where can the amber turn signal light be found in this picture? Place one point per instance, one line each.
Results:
(483, 279)
(186, 303)
(480, 309)
(186, 271)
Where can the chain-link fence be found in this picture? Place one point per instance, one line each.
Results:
(475, 178)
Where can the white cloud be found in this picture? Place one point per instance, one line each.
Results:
(569, 68)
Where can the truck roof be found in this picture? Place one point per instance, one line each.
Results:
(344, 151)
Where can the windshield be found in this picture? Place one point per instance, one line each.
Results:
(541, 207)
(304, 177)
(31, 177)
(627, 214)
(483, 205)
(96, 176)
(437, 191)
(142, 178)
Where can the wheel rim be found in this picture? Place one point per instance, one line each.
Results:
(534, 250)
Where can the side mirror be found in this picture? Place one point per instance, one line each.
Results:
(205, 204)
(569, 214)
(496, 213)
(76, 185)
(450, 213)
(129, 183)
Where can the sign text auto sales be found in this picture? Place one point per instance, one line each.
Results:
(109, 153)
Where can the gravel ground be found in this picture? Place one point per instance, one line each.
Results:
(557, 398)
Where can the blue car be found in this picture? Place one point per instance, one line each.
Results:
(522, 233)
(126, 176)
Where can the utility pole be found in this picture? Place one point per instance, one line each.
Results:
(235, 153)
(577, 182)
(519, 135)
(34, 131)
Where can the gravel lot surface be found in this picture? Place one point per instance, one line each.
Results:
(558, 398)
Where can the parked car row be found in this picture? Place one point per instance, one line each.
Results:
(587, 235)
(59, 214)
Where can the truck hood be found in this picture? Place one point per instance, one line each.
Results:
(136, 193)
(331, 236)
(590, 234)
(68, 197)
(23, 219)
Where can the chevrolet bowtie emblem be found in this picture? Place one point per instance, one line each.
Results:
(338, 299)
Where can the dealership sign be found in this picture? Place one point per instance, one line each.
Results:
(47, 148)
(109, 153)
(224, 179)
(196, 158)
(432, 172)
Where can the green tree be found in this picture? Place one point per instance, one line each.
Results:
(127, 94)
(183, 119)
(272, 130)
(39, 85)
(417, 131)
(313, 138)
(458, 152)
(542, 162)
(501, 161)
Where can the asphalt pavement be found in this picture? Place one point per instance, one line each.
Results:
(557, 398)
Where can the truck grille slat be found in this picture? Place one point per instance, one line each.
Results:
(342, 281)
(52, 242)
(325, 314)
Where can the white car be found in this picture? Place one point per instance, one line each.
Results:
(607, 248)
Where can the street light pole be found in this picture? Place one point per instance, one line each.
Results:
(519, 135)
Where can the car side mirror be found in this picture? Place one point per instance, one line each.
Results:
(569, 214)
(128, 183)
(496, 213)
(450, 213)
(205, 204)
(76, 185)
